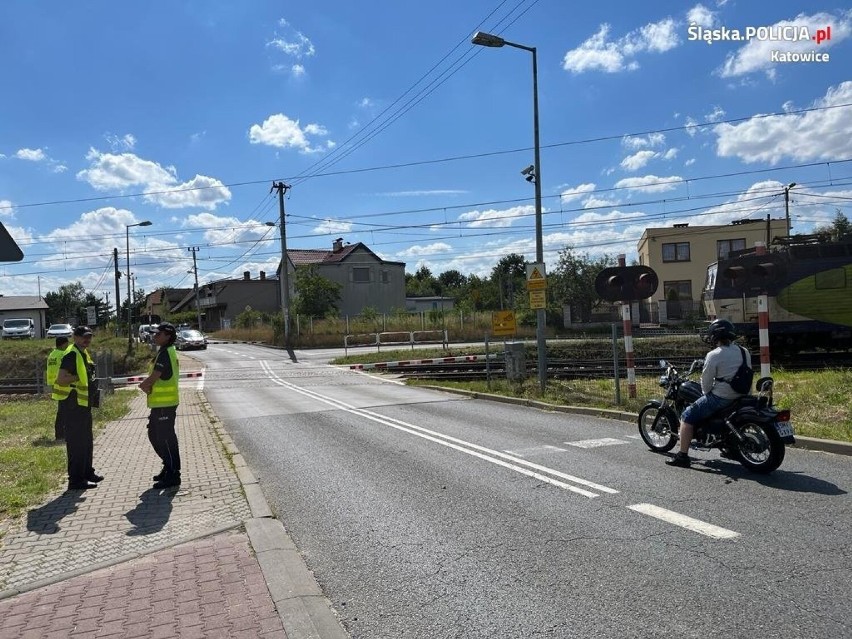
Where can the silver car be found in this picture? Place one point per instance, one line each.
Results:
(60, 330)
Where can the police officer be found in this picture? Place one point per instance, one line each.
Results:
(161, 386)
(74, 381)
(54, 359)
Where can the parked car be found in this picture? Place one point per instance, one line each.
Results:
(146, 332)
(60, 330)
(190, 339)
(18, 329)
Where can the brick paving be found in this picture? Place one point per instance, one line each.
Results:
(126, 560)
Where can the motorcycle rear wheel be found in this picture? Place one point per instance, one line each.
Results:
(656, 429)
(762, 450)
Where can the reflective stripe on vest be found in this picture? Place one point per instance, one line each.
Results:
(165, 393)
(61, 392)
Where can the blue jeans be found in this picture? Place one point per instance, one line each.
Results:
(703, 407)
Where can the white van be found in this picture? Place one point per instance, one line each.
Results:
(18, 329)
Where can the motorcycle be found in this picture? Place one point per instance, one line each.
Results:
(750, 430)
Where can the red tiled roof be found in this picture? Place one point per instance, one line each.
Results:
(303, 257)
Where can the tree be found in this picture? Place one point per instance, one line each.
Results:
(421, 284)
(839, 228)
(452, 280)
(509, 276)
(316, 295)
(573, 281)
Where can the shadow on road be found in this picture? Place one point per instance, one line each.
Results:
(151, 513)
(44, 520)
(780, 479)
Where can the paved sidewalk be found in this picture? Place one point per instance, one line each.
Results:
(127, 560)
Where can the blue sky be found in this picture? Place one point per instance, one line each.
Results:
(394, 130)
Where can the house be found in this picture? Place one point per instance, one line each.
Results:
(222, 301)
(680, 255)
(366, 279)
(161, 301)
(25, 307)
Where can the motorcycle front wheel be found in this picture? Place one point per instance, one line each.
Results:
(656, 428)
(761, 450)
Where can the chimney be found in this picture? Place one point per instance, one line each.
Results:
(246, 275)
(337, 245)
(263, 275)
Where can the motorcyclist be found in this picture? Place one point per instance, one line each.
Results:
(720, 364)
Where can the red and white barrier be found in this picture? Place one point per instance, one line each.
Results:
(135, 379)
(418, 362)
(763, 333)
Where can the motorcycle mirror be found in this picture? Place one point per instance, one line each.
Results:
(663, 363)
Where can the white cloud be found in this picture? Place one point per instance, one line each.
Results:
(293, 43)
(125, 142)
(298, 70)
(815, 135)
(329, 225)
(422, 193)
(7, 209)
(577, 192)
(670, 154)
(640, 142)
(689, 162)
(691, 126)
(120, 172)
(31, 155)
(429, 249)
(650, 183)
(493, 218)
(702, 16)
(638, 160)
(714, 116)
(598, 203)
(756, 55)
(598, 53)
(280, 131)
(228, 230)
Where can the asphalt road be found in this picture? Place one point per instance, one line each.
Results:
(425, 514)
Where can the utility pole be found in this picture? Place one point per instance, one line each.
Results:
(117, 292)
(285, 275)
(787, 204)
(195, 250)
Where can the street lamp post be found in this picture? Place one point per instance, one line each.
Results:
(787, 205)
(489, 40)
(129, 300)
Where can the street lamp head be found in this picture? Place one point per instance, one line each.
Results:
(790, 185)
(269, 223)
(145, 223)
(488, 40)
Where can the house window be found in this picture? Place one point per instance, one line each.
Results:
(725, 247)
(361, 274)
(678, 290)
(385, 277)
(676, 252)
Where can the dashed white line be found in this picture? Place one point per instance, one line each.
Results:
(596, 443)
(695, 525)
(534, 450)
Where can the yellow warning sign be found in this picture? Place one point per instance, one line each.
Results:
(536, 278)
(503, 323)
(538, 299)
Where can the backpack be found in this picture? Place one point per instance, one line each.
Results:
(742, 380)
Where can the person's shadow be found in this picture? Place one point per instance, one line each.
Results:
(45, 519)
(151, 513)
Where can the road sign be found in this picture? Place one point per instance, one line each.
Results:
(503, 323)
(536, 277)
(91, 315)
(538, 299)
(9, 249)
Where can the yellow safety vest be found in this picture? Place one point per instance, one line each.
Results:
(164, 393)
(60, 392)
(82, 384)
(53, 362)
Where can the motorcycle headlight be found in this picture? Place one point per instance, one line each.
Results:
(664, 380)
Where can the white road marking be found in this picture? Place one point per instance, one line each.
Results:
(487, 454)
(533, 450)
(596, 443)
(695, 525)
(634, 436)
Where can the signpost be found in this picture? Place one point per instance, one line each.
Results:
(537, 285)
(503, 323)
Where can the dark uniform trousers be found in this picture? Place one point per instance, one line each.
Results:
(59, 422)
(79, 441)
(161, 434)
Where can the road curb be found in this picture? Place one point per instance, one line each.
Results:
(304, 611)
(805, 443)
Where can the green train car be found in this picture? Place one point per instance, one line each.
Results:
(808, 284)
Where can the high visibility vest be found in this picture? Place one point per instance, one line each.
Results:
(53, 362)
(164, 393)
(60, 392)
(82, 384)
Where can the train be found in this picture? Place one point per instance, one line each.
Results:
(808, 284)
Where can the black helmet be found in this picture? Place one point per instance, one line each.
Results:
(720, 329)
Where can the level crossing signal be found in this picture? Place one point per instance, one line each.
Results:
(626, 283)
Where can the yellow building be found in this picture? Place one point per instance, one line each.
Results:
(680, 255)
